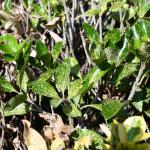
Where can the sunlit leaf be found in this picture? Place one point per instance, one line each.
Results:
(46, 75)
(74, 87)
(41, 48)
(126, 71)
(93, 75)
(71, 110)
(56, 51)
(55, 102)
(96, 138)
(95, 106)
(20, 109)
(43, 88)
(141, 35)
(110, 108)
(62, 75)
(6, 85)
(144, 6)
(9, 42)
(91, 33)
(8, 5)
(135, 127)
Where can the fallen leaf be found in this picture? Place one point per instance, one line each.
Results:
(57, 144)
(56, 128)
(48, 134)
(52, 24)
(32, 139)
(56, 37)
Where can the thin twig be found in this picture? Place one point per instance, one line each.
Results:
(84, 47)
(33, 104)
(96, 96)
(137, 80)
(121, 20)
(82, 11)
(2, 125)
(100, 27)
(100, 23)
(73, 13)
(49, 12)
(70, 38)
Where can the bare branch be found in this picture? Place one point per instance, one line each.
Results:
(137, 80)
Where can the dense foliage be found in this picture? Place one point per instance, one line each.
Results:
(74, 74)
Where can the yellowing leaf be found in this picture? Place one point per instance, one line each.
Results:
(57, 144)
(84, 141)
(144, 137)
(32, 139)
(132, 146)
(135, 127)
(122, 133)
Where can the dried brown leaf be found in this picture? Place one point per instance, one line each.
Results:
(32, 139)
(55, 37)
(52, 24)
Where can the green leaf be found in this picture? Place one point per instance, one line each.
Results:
(138, 99)
(138, 105)
(11, 43)
(75, 67)
(43, 88)
(24, 46)
(71, 110)
(112, 37)
(96, 138)
(56, 51)
(8, 45)
(95, 106)
(41, 48)
(20, 109)
(56, 102)
(22, 64)
(147, 112)
(15, 101)
(62, 75)
(74, 88)
(24, 83)
(6, 85)
(6, 49)
(46, 75)
(47, 60)
(97, 55)
(127, 70)
(144, 6)
(79, 86)
(94, 75)
(110, 108)
(141, 37)
(8, 5)
(92, 12)
(91, 33)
